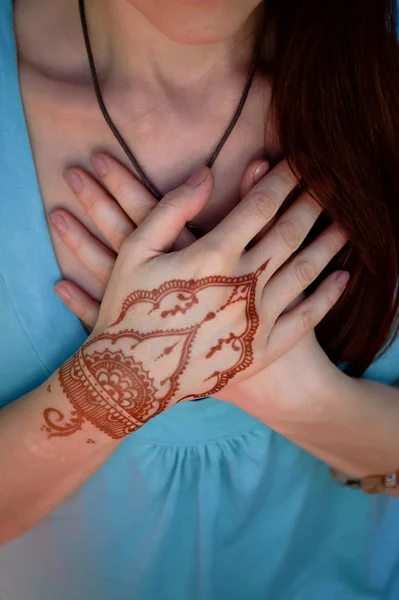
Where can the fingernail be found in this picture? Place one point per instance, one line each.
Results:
(260, 171)
(62, 291)
(198, 177)
(342, 279)
(99, 164)
(74, 181)
(59, 222)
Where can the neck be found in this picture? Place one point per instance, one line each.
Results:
(130, 51)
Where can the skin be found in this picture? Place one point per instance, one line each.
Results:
(346, 422)
(172, 331)
(180, 111)
(138, 204)
(177, 109)
(196, 21)
(40, 469)
(306, 361)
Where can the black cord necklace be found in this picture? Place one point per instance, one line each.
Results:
(150, 186)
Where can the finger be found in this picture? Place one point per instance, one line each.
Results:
(286, 235)
(291, 326)
(302, 270)
(186, 238)
(164, 224)
(107, 215)
(96, 257)
(80, 303)
(242, 224)
(252, 174)
(130, 193)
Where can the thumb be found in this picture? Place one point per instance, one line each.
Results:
(161, 228)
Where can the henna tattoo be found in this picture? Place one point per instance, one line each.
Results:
(52, 418)
(48, 388)
(90, 441)
(231, 339)
(109, 381)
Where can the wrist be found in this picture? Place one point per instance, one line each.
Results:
(304, 390)
(326, 428)
(354, 427)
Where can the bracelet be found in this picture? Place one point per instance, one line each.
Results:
(373, 484)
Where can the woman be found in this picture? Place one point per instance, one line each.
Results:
(105, 493)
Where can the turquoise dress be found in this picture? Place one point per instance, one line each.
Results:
(204, 502)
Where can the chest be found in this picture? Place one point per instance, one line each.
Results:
(66, 126)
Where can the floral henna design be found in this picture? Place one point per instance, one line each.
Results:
(124, 377)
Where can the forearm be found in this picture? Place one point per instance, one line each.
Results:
(39, 472)
(352, 424)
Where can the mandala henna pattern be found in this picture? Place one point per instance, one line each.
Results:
(109, 381)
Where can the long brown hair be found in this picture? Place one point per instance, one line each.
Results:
(335, 77)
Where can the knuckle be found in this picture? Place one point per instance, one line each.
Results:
(83, 314)
(104, 277)
(118, 237)
(87, 317)
(170, 201)
(288, 178)
(75, 243)
(331, 298)
(90, 205)
(332, 294)
(130, 245)
(286, 174)
(104, 272)
(205, 258)
(304, 272)
(335, 241)
(290, 232)
(121, 189)
(128, 249)
(310, 205)
(308, 320)
(139, 213)
(214, 259)
(263, 205)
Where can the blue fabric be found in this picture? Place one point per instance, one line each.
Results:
(204, 502)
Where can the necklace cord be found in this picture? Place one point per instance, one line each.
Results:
(149, 185)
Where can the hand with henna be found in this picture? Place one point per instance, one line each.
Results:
(198, 320)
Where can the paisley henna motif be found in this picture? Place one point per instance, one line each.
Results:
(109, 381)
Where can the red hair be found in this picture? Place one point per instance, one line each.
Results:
(335, 76)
